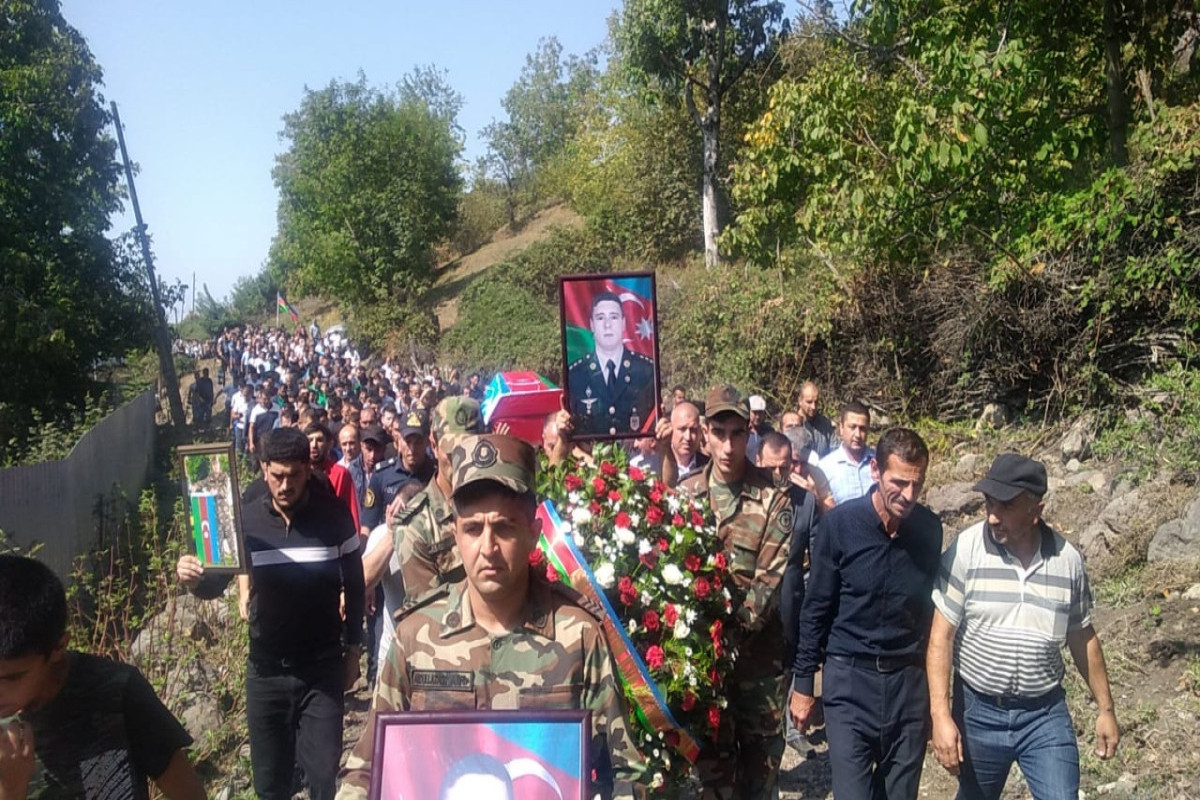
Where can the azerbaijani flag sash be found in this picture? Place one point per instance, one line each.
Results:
(650, 706)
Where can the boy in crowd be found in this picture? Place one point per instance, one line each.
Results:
(76, 725)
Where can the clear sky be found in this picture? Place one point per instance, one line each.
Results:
(202, 87)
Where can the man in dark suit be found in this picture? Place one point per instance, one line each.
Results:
(611, 388)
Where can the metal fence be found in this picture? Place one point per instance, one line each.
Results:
(55, 503)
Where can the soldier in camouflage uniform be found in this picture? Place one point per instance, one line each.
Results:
(423, 532)
(754, 524)
(504, 638)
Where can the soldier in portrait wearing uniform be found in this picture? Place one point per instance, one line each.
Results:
(505, 638)
(754, 524)
(611, 389)
(423, 533)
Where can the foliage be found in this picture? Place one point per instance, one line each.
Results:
(481, 212)
(366, 188)
(68, 299)
(53, 438)
(252, 295)
(658, 559)
(1161, 434)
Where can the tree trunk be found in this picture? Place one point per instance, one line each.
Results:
(1118, 98)
(712, 225)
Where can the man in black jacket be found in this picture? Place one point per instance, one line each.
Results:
(304, 554)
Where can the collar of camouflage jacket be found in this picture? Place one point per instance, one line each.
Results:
(539, 611)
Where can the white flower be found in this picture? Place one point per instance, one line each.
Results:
(691, 616)
(635, 519)
(681, 629)
(581, 515)
(672, 575)
(644, 547)
(647, 598)
(573, 498)
(625, 536)
(606, 576)
(673, 503)
(598, 543)
(632, 625)
(579, 538)
(679, 538)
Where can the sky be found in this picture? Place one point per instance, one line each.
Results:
(202, 88)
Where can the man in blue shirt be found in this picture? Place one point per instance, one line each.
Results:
(866, 614)
(848, 467)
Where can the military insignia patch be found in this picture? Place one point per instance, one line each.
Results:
(786, 518)
(484, 455)
(460, 417)
(369, 499)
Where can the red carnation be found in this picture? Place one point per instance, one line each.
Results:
(625, 585)
(594, 507)
(654, 657)
(717, 628)
(663, 545)
(608, 468)
(649, 560)
(656, 496)
(660, 487)
(551, 573)
(650, 620)
(677, 520)
(697, 520)
(721, 561)
(637, 474)
(614, 496)
(718, 649)
(598, 484)
(654, 515)
(714, 677)
(535, 558)
(692, 562)
(717, 582)
(623, 520)
(670, 615)
(702, 587)
(573, 482)
(689, 701)
(714, 716)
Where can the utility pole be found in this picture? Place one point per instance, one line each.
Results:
(162, 336)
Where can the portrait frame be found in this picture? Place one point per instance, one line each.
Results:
(599, 410)
(544, 753)
(211, 494)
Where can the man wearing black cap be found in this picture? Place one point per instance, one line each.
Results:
(1017, 591)
(412, 463)
(304, 554)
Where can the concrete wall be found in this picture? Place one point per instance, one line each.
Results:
(55, 503)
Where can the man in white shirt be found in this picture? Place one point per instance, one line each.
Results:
(848, 467)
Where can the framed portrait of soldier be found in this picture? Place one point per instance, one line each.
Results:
(610, 353)
(211, 502)
(481, 755)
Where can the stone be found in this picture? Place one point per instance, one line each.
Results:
(1179, 539)
(1094, 479)
(954, 499)
(1078, 441)
(995, 415)
(1118, 520)
(967, 466)
(1192, 592)
(1073, 465)
(201, 716)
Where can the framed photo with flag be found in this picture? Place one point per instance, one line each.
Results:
(610, 353)
(479, 755)
(212, 505)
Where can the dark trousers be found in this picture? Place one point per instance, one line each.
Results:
(295, 717)
(374, 631)
(877, 724)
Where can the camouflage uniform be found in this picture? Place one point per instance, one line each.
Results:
(423, 531)
(556, 659)
(754, 524)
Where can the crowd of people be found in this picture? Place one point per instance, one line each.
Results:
(386, 517)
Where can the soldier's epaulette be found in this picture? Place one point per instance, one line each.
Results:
(409, 512)
(382, 465)
(422, 600)
(576, 363)
(637, 356)
(578, 598)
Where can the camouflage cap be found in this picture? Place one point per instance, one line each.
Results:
(455, 416)
(492, 457)
(723, 398)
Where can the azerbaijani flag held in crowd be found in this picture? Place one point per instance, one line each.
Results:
(283, 305)
(542, 761)
(637, 301)
(206, 528)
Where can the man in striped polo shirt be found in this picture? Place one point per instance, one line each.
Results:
(1010, 593)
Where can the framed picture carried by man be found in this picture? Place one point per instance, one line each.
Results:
(610, 353)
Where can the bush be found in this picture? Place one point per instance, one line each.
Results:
(504, 326)
(481, 212)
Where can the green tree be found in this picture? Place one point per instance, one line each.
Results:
(698, 49)
(67, 298)
(367, 187)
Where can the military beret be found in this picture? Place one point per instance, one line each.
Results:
(505, 460)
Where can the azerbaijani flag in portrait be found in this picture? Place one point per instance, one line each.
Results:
(541, 761)
(637, 301)
(206, 528)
